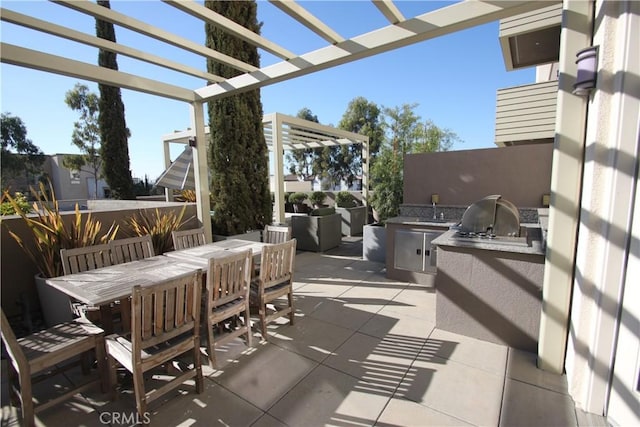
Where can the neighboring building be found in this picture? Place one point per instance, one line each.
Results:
(527, 114)
(67, 184)
(73, 185)
(589, 326)
(292, 184)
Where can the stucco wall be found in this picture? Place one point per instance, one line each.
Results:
(521, 174)
(490, 295)
(18, 270)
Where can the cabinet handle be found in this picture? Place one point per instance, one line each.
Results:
(418, 251)
(427, 253)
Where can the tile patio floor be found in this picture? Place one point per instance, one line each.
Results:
(364, 351)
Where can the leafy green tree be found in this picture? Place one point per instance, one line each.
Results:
(387, 182)
(303, 162)
(19, 154)
(113, 128)
(405, 133)
(431, 138)
(86, 133)
(237, 148)
(363, 117)
(402, 127)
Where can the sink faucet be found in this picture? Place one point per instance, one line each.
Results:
(434, 210)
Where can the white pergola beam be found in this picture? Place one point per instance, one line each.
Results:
(36, 60)
(433, 24)
(389, 10)
(132, 24)
(278, 170)
(304, 17)
(77, 36)
(231, 27)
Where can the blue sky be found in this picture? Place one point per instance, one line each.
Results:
(453, 78)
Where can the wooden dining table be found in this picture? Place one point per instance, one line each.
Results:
(103, 286)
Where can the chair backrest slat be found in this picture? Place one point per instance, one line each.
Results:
(228, 278)
(78, 260)
(276, 233)
(131, 249)
(277, 263)
(185, 239)
(164, 311)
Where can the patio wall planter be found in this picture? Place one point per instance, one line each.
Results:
(353, 220)
(374, 242)
(317, 233)
(55, 305)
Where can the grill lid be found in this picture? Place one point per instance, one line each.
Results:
(492, 215)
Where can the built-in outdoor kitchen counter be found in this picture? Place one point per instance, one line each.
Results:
(491, 289)
(410, 256)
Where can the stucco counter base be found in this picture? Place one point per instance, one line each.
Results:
(493, 294)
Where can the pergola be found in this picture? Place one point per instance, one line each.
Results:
(283, 132)
(400, 31)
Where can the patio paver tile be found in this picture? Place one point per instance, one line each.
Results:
(311, 337)
(521, 366)
(265, 375)
(383, 323)
(380, 362)
(338, 313)
(214, 406)
(527, 405)
(461, 391)
(470, 351)
(268, 421)
(330, 397)
(401, 412)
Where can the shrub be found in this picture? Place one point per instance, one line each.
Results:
(19, 198)
(317, 197)
(297, 197)
(344, 199)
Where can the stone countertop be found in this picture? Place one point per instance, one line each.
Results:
(421, 221)
(533, 247)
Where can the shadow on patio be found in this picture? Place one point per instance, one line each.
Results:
(363, 351)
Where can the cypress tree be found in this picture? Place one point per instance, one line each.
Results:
(238, 154)
(113, 128)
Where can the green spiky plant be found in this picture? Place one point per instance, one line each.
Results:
(159, 225)
(51, 232)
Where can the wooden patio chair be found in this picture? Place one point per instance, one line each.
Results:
(185, 239)
(40, 356)
(77, 260)
(227, 296)
(165, 324)
(274, 281)
(131, 249)
(276, 233)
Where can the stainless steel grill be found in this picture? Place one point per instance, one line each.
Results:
(490, 217)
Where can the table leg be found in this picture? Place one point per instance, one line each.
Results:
(125, 314)
(107, 320)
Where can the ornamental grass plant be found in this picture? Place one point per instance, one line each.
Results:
(159, 226)
(52, 231)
